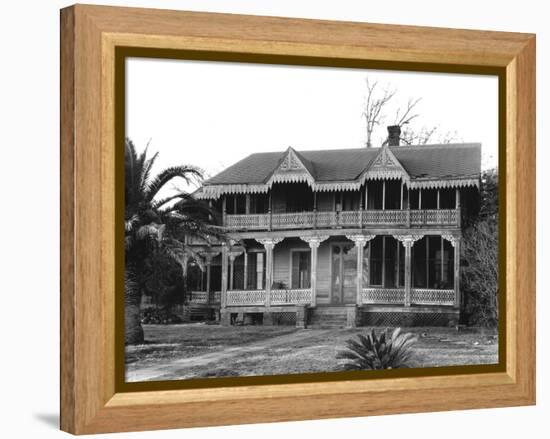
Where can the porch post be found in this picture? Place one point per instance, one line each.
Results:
(208, 274)
(223, 303)
(408, 207)
(457, 201)
(268, 273)
(408, 245)
(315, 209)
(224, 210)
(313, 245)
(231, 270)
(401, 199)
(245, 281)
(360, 242)
(383, 194)
(314, 242)
(269, 244)
(361, 209)
(408, 241)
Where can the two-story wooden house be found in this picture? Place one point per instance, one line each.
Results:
(341, 237)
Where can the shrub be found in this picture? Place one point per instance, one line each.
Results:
(156, 316)
(479, 281)
(372, 353)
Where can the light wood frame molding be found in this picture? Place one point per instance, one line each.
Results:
(89, 36)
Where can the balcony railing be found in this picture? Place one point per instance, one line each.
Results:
(346, 219)
(277, 297)
(396, 296)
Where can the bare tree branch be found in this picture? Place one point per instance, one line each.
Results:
(408, 114)
(375, 101)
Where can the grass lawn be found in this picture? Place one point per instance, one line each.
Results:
(198, 350)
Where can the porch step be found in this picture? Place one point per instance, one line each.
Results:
(328, 317)
(200, 312)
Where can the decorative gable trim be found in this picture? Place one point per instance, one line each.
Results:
(291, 170)
(385, 167)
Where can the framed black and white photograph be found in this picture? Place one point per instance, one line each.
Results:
(295, 219)
(268, 219)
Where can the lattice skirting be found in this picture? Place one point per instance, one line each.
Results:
(284, 318)
(389, 318)
(255, 318)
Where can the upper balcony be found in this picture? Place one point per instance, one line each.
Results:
(343, 219)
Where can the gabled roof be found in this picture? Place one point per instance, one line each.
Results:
(292, 167)
(426, 165)
(385, 166)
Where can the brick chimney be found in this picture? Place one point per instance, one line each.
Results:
(394, 133)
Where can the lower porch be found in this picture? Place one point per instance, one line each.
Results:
(299, 275)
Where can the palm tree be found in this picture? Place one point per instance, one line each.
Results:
(156, 226)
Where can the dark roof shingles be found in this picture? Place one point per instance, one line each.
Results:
(430, 161)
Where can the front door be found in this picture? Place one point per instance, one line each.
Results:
(344, 273)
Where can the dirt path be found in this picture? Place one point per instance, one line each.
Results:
(156, 371)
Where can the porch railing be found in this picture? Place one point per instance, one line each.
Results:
(396, 296)
(277, 297)
(346, 218)
(202, 297)
(422, 296)
(383, 295)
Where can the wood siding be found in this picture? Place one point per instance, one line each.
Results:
(282, 268)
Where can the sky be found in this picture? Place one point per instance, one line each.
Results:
(213, 114)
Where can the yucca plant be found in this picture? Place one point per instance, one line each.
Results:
(383, 352)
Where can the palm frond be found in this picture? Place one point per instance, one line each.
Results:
(146, 172)
(188, 173)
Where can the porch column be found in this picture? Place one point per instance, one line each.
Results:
(224, 210)
(231, 270)
(401, 198)
(408, 246)
(383, 194)
(269, 244)
(314, 242)
(360, 242)
(208, 275)
(457, 206)
(223, 303)
(408, 241)
(245, 280)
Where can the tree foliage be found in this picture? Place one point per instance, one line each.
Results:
(156, 231)
(479, 274)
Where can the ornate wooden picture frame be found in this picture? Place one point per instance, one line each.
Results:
(94, 41)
